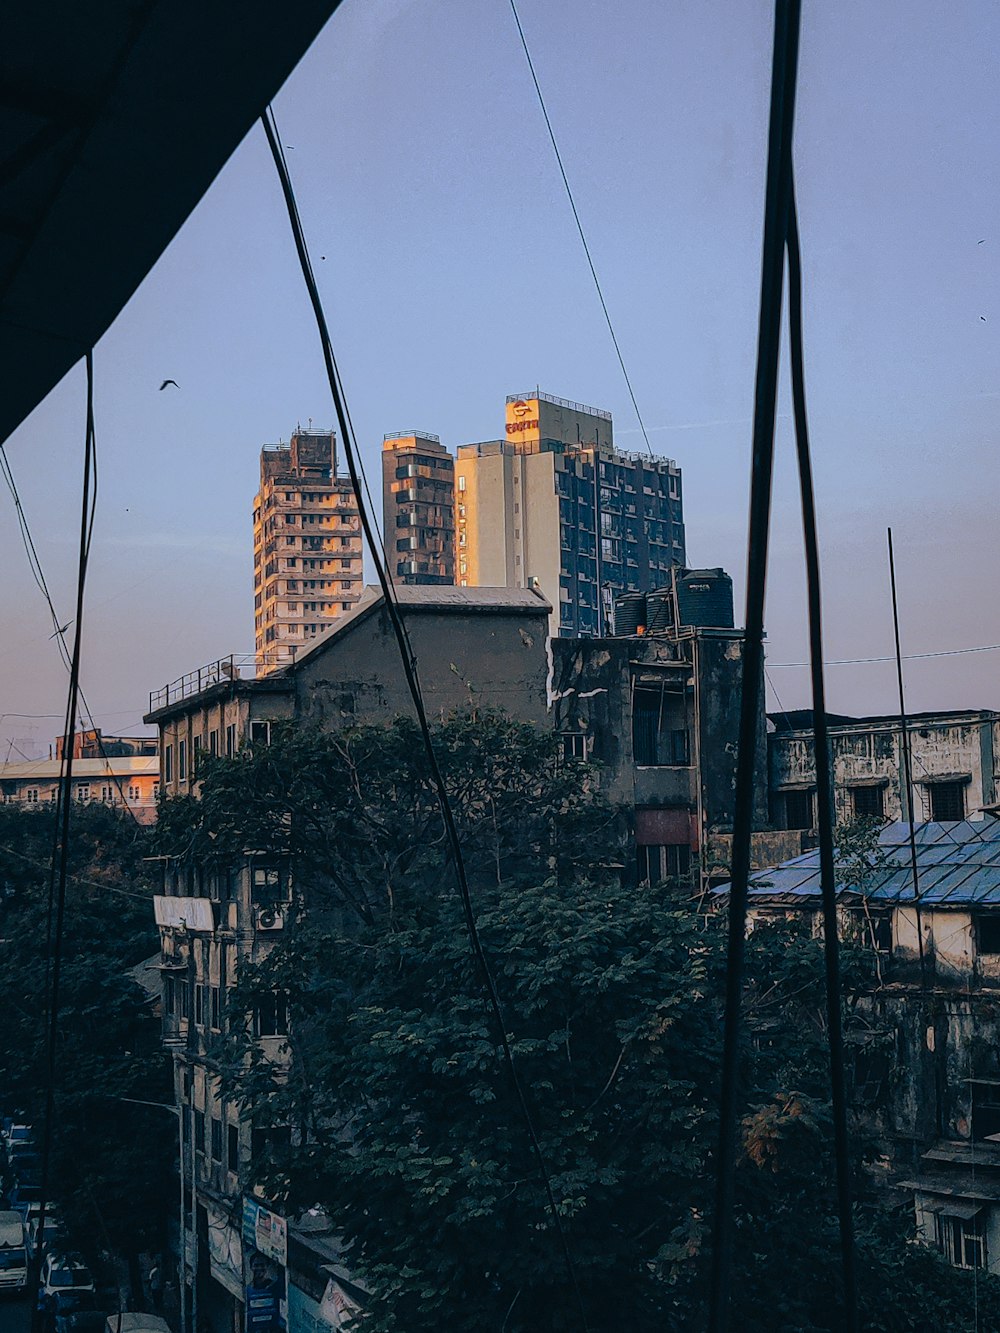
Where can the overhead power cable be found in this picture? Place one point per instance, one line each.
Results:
(891, 657)
(776, 201)
(38, 574)
(579, 224)
(409, 666)
(60, 845)
(824, 776)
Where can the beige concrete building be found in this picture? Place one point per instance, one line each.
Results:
(554, 504)
(418, 508)
(306, 546)
(127, 781)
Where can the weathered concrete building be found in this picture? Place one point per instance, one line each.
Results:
(954, 764)
(472, 646)
(929, 1071)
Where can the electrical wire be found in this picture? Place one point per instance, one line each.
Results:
(777, 194)
(579, 224)
(907, 657)
(409, 665)
(60, 846)
(38, 574)
(824, 776)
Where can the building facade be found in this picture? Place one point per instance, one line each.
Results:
(307, 546)
(555, 504)
(129, 782)
(482, 647)
(418, 508)
(954, 758)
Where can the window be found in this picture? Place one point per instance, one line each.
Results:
(83, 791)
(214, 1009)
(659, 738)
(266, 885)
(867, 802)
(31, 795)
(216, 1139)
(199, 1004)
(659, 863)
(231, 740)
(182, 761)
(798, 809)
(107, 794)
(168, 764)
(199, 1131)
(156, 791)
(947, 801)
(271, 1017)
(461, 483)
(260, 733)
(575, 745)
(213, 743)
(133, 792)
(233, 1148)
(960, 1233)
(988, 933)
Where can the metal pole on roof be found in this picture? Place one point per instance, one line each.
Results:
(904, 730)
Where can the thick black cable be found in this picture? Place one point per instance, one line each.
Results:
(60, 849)
(824, 777)
(778, 191)
(579, 224)
(412, 680)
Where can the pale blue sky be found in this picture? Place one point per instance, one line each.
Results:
(453, 276)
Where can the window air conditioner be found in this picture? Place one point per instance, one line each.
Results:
(269, 918)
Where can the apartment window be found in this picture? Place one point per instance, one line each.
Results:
(271, 1017)
(260, 733)
(988, 933)
(266, 885)
(213, 743)
(199, 1005)
(182, 761)
(461, 483)
(960, 1233)
(799, 810)
(31, 795)
(657, 738)
(133, 792)
(656, 864)
(216, 1139)
(199, 1131)
(83, 791)
(156, 791)
(233, 1148)
(168, 764)
(231, 740)
(867, 802)
(214, 1009)
(107, 794)
(575, 745)
(985, 1108)
(947, 801)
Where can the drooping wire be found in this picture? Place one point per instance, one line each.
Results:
(579, 225)
(409, 666)
(824, 777)
(60, 847)
(777, 195)
(59, 634)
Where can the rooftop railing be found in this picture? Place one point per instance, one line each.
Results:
(245, 666)
(411, 435)
(559, 402)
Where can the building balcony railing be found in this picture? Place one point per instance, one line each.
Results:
(244, 666)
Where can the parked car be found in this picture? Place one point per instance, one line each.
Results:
(17, 1132)
(26, 1168)
(75, 1310)
(61, 1274)
(56, 1237)
(13, 1253)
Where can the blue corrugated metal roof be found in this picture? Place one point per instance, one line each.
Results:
(957, 864)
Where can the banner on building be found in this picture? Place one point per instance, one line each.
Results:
(265, 1232)
(265, 1258)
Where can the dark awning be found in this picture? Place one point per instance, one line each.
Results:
(114, 121)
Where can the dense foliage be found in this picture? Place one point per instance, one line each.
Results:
(111, 1162)
(404, 1122)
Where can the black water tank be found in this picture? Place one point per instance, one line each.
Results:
(660, 610)
(630, 613)
(705, 597)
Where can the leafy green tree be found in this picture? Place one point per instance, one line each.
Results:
(109, 1173)
(397, 1114)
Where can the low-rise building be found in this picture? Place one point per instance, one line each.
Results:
(130, 782)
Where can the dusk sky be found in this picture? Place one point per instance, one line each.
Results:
(452, 275)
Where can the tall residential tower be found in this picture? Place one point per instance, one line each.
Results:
(306, 546)
(556, 505)
(418, 508)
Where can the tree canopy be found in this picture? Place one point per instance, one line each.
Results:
(397, 1114)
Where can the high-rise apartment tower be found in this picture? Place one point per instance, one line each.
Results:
(306, 546)
(556, 504)
(418, 508)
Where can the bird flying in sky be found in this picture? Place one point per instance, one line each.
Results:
(166, 382)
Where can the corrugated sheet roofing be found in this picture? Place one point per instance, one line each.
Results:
(957, 864)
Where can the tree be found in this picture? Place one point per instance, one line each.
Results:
(109, 1174)
(397, 1113)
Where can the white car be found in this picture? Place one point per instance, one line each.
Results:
(131, 1322)
(63, 1273)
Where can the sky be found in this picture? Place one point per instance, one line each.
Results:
(452, 275)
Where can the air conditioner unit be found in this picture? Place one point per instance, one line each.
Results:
(269, 918)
